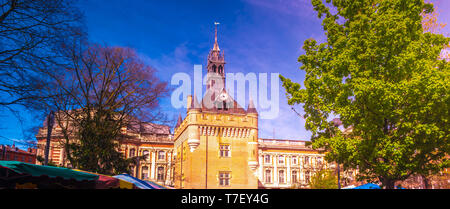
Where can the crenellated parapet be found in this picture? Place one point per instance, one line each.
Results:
(226, 122)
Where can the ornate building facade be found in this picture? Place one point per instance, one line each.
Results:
(287, 163)
(151, 141)
(215, 146)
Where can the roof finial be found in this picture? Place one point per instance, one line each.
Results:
(216, 23)
(216, 45)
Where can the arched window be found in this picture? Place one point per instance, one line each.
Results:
(220, 69)
(267, 159)
(132, 152)
(307, 176)
(294, 176)
(268, 176)
(145, 153)
(161, 155)
(294, 160)
(214, 68)
(144, 172)
(224, 105)
(281, 160)
(281, 176)
(160, 174)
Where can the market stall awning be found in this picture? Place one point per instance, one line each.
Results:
(14, 174)
(368, 186)
(156, 185)
(137, 182)
(109, 182)
(50, 171)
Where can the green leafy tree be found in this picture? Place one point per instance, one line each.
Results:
(324, 179)
(382, 75)
(97, 151)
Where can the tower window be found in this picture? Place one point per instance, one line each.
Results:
(220, 69)
(224, 178)
(214, 68)
(225, 150)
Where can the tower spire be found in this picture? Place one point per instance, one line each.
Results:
(216, 45)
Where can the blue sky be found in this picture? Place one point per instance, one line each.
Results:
(260, 36)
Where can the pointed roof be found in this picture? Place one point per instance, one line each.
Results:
(251, 106)
(195, 104)
(216, 45)
(179, 121)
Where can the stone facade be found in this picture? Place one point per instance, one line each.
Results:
(211, 147)
(215, 146)
(152, 140)
(287, 163)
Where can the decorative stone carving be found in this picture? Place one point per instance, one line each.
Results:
(253, 165)
(193, 144)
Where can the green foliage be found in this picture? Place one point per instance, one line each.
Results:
(324, 179)
(42, 160)
(381, 74)
(97, 150)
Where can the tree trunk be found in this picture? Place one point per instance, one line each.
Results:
(388, 183)
(426, 182)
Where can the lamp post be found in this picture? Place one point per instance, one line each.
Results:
(50, 122)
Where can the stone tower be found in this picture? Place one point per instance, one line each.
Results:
(216, 145)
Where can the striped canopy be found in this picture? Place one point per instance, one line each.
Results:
(139, 183)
